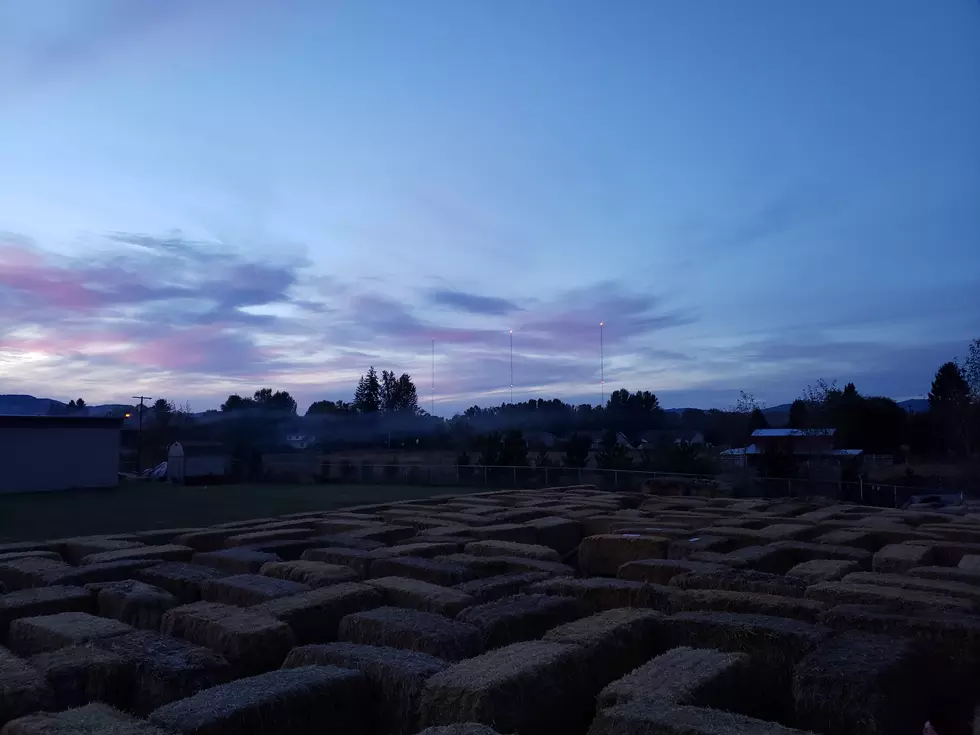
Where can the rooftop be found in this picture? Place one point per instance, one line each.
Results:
(793, 432)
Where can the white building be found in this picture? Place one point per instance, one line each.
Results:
(40, 453)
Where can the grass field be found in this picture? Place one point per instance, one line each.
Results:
(141, 506)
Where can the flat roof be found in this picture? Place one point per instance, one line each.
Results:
(60, 422)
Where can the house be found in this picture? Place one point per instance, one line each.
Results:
(657, 437)
(39, 453)
(190, 461)
(598, 436)
(540, 440)
(300, 441)
(805, 444)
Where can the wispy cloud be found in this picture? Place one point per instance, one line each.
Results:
(472, 303)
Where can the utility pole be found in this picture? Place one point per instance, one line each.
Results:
(512, 367)
(139, 434)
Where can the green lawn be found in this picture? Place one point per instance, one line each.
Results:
(141, 506)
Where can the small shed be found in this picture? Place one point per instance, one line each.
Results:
(197, 460)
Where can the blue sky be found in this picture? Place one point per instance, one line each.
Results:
(211, 196)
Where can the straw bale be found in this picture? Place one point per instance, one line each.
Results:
(135, 603)
(965, 532)
(412, 631)
(422, 596)
(86, 673)
(252, 538)
(108, 571)
(771, 559)
(358, 560)
(861, 684)
(748, 602)
(602, 593)
(788, 531)
(858, 538)
(512, 548)
(683, 548)
(42, 601)
(969, 563)
(17, 546)
(606, 553)
(395, 676)
(424, 549)
(205, 539)
(92, 719)
(652, 717)
(11, 555)
(615, 641)
(22, 688)
(893, 598)
(661, 571)
(315, 615)
(823, 570)
(560, 534)
(460, 728)
(515, 564)
(239, 560)
(383, 533)
(444, 573)
(702, 677)
(311, 573)
(741, 580)
(337, 525)
(948, 574)
(939, 587)
(346, 542)
(520, 515)
(535, 688)
(180, 579)
(74, 550)
(481, 566)
(517, 532)
(163, 552)
(29, 571)
(249, 641)
(304, 701)
(804, 551)
(250, 589)
(898, 558)
(157, 536)
(28, 636)
(285, 550)
(463, 518)
(520, 617)
(773, 645)
(451, 532)
(501, 585)
(164, 668)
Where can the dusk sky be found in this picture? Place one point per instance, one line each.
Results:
(201, 197)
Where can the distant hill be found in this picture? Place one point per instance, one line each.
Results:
(20, 405)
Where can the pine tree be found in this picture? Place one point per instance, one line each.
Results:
(367, 397)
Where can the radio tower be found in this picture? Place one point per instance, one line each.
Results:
(432, 403)
(602, 370)
(512, 366)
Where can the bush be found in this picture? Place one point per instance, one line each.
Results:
(463, 467)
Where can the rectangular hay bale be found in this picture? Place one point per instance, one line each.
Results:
(823, 570)
(43, 601)
(652, 717)
(895, 598)
(603, 593)
(91, 719)
(249, 589)
(86, 673)
(501, 585)
(661, 571)
(512, 548)
(899, 558)
(239, 560)
(180, 579)
(134, 603)
(741, 580)
(412, 630)
(604, 554)
(445, 573)
(313, 574)
(520, 617)
(315, 616)
(749, 603)
(28, 636)
(422, 596)
(22, 688)
(163, 552)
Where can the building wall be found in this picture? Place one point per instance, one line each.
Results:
(58, 458)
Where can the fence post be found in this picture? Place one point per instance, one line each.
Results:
(895, 494)
(484, 475)
(579, 475)
(515, 476)
(615, 479)
(546, 475)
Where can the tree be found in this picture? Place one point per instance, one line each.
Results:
(757, 420)
(163, 413)
(513, 450)
(77, 406)
(367, 397)
(949, 401)
(341, 408)
(387, 394)
(971, 370)
(236, 403)
(613, 455)
(280, 401)
(798, 414)
(577, 451)
(404, 397)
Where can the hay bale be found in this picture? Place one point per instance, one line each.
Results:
(892, 598)
(517, 532)
(314, 616)
(29, 636)
(741, 580)
(36, 554)
(460, 728)
(520, 617)
(515, 564)
(512, 548)
(443, 573)
(92, 719)
(422, 596)
(42, 601)
(606, 553)
(601, 593)
(956, 589)
(652, 717)
(560, 534)
(29, 571)
(303, 701)
(249, 641)
(535, 688)
(109, 571)
(969, 563)
(252, 538)
(157, 536)
(861, 684)
(858, 538)
(81, 674)
(358, 560)
(773, 645)
(74, 550)
(697, 543)
(412, 631)
(661, 571)
(823, 570)
(180, 579)
(250, 589)
(285, 550)
(205, 539)
(423, 549)
(702, 677)
(339, 525)
(385, 534)
(163, 669)
(239, 560)
(771, 559)
(313, 574)
(947, 574)
(519, 515)
(788, 531)
(22, 689)
(345, 542)
(163, 552)
(501, 585)
(481, 566)
(748, 602)
(395, 676)
(803, 552)
(899, 558)
(135, 603)
(615, 641)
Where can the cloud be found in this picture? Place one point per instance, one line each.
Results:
(472, 303)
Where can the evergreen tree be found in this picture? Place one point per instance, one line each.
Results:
(367, 397)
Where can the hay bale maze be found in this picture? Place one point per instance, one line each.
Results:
(561, 610)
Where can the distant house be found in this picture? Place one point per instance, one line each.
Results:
(540, 440)
(300, 441)
(598, 436)
(806, 444)
(657, 437)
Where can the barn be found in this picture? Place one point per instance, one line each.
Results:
(40, 453)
